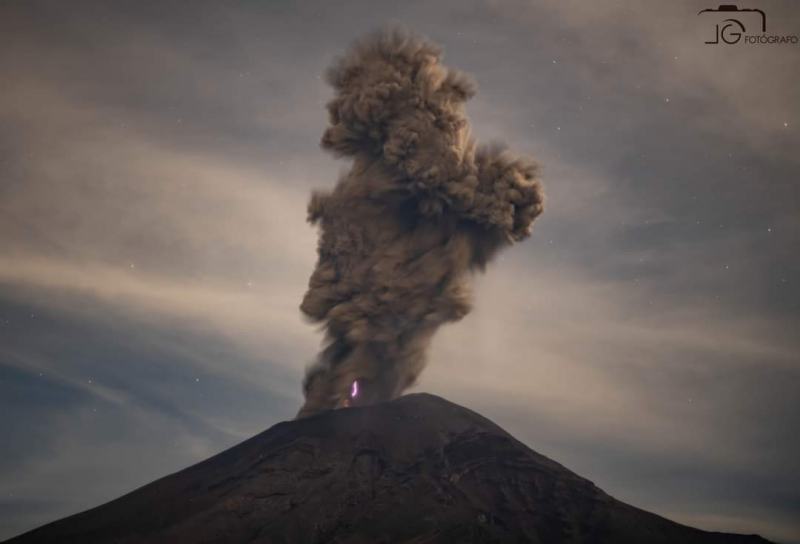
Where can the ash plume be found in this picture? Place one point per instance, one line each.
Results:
(421, 208)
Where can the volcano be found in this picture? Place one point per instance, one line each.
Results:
(418, 469)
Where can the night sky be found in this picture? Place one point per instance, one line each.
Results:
(155, 163)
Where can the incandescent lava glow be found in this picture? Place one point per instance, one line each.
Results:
(354, 390)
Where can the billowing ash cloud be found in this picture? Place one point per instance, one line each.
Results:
(421, 208)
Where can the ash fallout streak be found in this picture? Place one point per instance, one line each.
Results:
(421, 208)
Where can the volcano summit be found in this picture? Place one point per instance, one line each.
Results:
(413, 470)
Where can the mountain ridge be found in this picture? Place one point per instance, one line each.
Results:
(416, 469)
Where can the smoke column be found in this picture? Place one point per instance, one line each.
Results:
(420, 209)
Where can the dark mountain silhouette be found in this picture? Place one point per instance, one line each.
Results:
(415, 470)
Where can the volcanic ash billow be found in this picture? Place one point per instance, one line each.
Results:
(421, 208)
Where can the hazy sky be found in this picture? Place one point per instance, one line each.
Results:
(155, 163)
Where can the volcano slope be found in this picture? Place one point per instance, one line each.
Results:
(418, 469)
